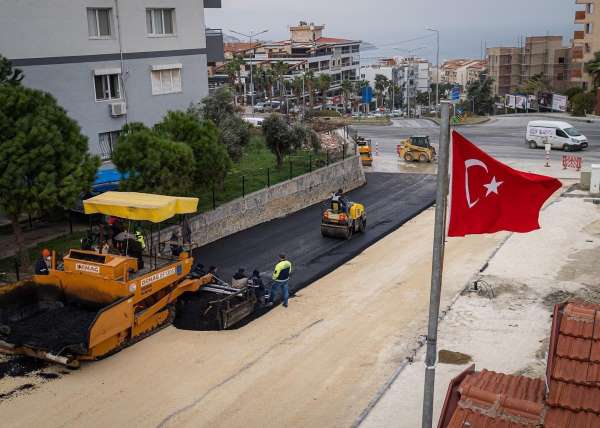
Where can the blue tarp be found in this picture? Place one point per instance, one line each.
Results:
(107, 179)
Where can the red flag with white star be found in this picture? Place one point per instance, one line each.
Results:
(488, 196)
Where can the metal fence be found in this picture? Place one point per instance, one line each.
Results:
(241, 183)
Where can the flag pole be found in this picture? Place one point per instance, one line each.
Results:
(437, 264)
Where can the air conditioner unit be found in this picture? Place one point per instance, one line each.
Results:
(118, 109)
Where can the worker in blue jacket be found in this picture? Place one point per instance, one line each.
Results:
(281, 278)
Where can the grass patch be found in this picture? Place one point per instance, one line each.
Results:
(60, 244)
(258, 169)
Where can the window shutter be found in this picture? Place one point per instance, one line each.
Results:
(176, 73)
(167, 83)
(156, 84)
(92, 28)
(149, 21)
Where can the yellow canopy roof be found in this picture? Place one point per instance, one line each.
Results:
(140, 206)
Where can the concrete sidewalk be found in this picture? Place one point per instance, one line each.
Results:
(505, 325)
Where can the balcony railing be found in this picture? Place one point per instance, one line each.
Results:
(576, 73)
(214, 45)
(577, 53)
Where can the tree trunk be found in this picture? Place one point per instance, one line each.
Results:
(20, 242)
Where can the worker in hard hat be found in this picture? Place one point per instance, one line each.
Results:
(42, 266)
(281, 278)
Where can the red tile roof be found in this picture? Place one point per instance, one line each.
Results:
(574, 367)
(333, 40)
(488, 399)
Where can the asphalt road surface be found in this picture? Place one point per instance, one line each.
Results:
(390, 200)
(502, 137)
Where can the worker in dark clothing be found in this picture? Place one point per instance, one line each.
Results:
(240, 279)
(198, 271)
(256, 282)
(339, 197)
(281, 278)
(43, 263)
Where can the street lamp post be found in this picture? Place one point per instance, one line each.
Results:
(437, 67)
(250, 36)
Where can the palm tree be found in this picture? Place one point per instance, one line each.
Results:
(311, 83)
(381, 84)
(593, 68)
(324, 85)
(280, 69)
(346, 91)
(233, 68)
(297, 86)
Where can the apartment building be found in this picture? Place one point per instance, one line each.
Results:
(308, 49)
(411, 74)
(461, 71)
(586, 41)
(110, 62)
(510, 67)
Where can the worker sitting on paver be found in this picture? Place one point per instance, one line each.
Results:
(240, 280)
(43, 263)
(281, 277)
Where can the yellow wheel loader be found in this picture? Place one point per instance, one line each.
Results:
(417, 148)
(341, 219)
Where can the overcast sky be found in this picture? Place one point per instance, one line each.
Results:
(463, 24)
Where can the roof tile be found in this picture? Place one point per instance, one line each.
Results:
(465, 418)
(557, 418)
(573, 347)
(574, 397)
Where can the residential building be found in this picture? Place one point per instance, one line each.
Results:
(586, 41)
(411, 74)
(308, 50)
(510, 67)
(110, 62)
(461, 72)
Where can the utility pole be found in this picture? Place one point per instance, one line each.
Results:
(250, 36)
(437, 265)
(437, 66)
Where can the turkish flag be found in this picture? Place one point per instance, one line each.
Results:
(488, 196)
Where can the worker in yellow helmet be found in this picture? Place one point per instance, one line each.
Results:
(281, 278)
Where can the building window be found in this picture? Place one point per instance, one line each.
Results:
(561, 60)
(108, 142)
(160, 22)
(99, 23)
(166, 81)
(108, 87)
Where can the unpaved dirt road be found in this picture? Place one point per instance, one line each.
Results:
(317, 363)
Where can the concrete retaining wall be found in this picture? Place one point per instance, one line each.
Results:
(276, 201)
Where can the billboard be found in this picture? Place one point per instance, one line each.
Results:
(510, 101)
(559, 102)
(521, 102)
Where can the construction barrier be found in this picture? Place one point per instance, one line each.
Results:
(571, 161)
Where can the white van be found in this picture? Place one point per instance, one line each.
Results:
(561, 135)
(254, 121)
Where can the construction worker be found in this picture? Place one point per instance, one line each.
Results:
(339, 198)
(43, 263)
(140, 238)
(240, 279)
(281, 278)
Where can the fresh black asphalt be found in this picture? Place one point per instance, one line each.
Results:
(390, 200)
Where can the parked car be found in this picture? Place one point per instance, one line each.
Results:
(254, 121)
(560, 135)
(259, 107)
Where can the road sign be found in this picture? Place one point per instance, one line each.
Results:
(367, 94)
(455, 94)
